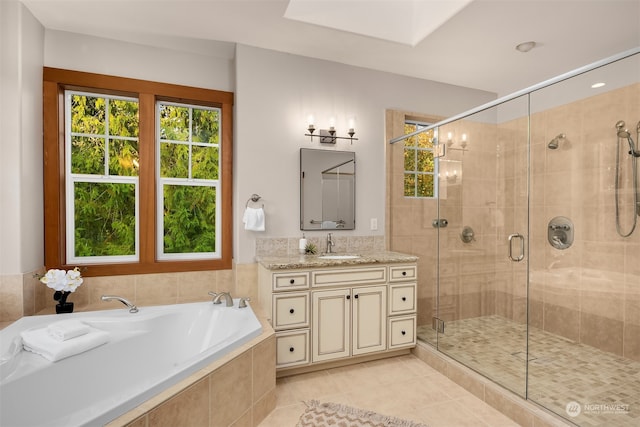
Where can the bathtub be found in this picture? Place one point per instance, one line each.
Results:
(147, 352)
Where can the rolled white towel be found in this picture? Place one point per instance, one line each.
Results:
(67, 329)
(39, 341)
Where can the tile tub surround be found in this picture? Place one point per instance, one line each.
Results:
(237, 390)
(24, 295)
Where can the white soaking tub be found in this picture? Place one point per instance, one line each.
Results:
(147, 352)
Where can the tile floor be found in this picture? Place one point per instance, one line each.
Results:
(560, 371)
(402, 387)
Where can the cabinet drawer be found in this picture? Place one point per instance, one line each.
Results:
(348, 276)
(401, 273)
(402, 331)
(290, 281)
(291, 310)
(292, 348)
(402, 298)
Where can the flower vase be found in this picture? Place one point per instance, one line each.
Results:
(63, 306)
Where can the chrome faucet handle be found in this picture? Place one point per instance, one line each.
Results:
(212, 294)
(243, 302)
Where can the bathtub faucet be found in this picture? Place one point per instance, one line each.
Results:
(132, 307)
(218, 297)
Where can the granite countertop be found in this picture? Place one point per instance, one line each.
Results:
(314, 261)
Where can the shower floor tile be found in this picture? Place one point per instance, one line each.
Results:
(605, 387)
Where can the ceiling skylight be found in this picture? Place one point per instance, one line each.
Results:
(401, 21)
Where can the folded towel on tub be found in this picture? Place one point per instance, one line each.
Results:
(39, 341)
(253, 219)
(68, 329)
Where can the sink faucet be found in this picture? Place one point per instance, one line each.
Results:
(330, 243)
(132, 307)
(227, 299)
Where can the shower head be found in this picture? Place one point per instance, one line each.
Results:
(555, 142)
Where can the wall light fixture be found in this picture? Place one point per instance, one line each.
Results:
(328, 136)
(463, 142)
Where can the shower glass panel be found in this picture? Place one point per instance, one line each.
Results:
(584, 300)
(483, 253)
(535, 282)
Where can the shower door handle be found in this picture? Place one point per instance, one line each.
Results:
(511, 238)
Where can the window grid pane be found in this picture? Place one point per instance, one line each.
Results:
(189, 173)
(101, 178)
(420, 165)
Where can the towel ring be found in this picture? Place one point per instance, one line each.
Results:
(254, 198)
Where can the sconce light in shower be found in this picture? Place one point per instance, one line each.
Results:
(555, 142)
(463, 142)
(328, 136)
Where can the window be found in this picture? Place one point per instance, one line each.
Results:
(420, 166)
(137, 175)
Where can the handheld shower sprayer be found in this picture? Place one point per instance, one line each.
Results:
(624, 133)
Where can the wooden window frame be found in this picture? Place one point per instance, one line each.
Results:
(55, 82)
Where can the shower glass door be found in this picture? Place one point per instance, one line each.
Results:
(483, 250)
(584, 297)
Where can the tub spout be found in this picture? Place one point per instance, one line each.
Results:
(227, 299)
(132, 307)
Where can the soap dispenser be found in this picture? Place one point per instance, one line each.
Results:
(302, 245)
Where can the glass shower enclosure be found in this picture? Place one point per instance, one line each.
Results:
(533, 280)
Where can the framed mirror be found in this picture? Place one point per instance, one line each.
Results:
(327, 189)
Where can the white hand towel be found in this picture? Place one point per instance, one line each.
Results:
(40, 342)
(253, 219)
(67, 329)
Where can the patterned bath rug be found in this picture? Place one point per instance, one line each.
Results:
(334, 415)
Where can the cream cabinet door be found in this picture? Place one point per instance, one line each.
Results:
(369, 319)
(331, 325)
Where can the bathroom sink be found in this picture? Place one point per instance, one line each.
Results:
(339, 256)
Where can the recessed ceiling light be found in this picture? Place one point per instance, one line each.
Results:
(526, 46)
(597, 85)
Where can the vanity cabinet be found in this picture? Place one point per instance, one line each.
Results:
(348, 322)
(335, 313)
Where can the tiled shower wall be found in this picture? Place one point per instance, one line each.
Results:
(589, 293)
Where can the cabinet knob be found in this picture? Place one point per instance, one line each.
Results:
(291, 349)
(348, 296)
(404, 332)
(355, 296)
(404, 298)
(292, 281)
(291, 310)
(404, 273)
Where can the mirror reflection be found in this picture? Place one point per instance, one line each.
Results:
(327, 189)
